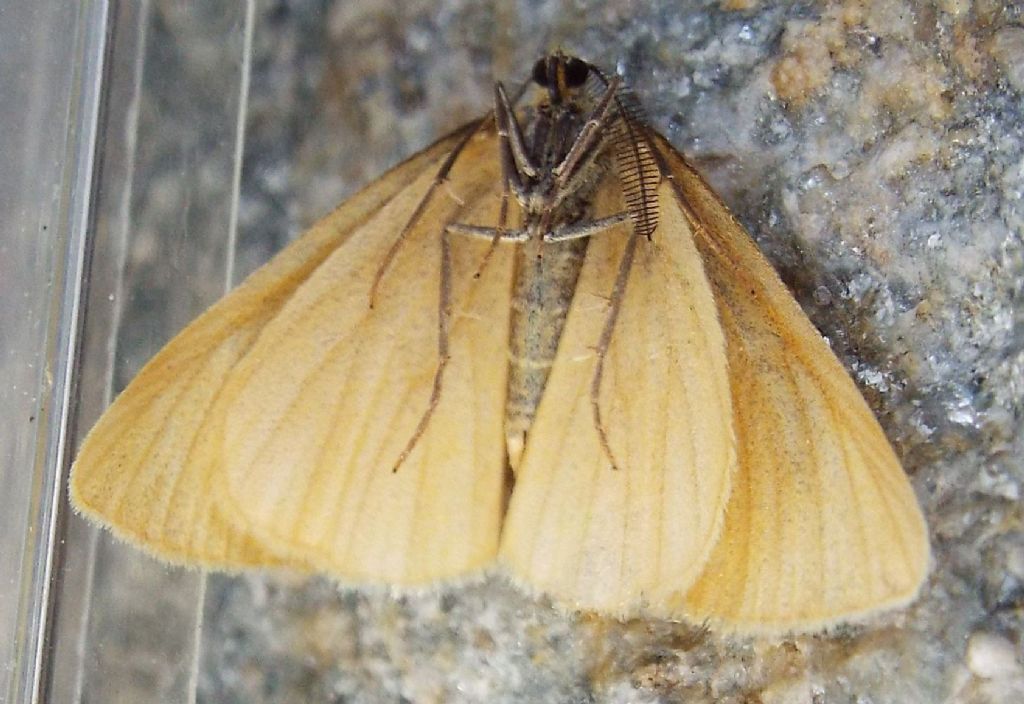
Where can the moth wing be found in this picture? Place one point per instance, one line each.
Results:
(146, 468)
(621, 540)
(822, 524)
(320, 410)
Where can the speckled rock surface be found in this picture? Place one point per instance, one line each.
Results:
(874, 149)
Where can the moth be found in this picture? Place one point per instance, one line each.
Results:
(544, 345)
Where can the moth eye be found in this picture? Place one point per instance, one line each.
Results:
(540, 72)
(576, 71)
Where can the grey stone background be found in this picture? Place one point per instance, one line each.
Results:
(875, 151)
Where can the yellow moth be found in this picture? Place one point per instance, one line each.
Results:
(542, 343)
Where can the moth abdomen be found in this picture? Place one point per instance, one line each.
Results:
(545, 280)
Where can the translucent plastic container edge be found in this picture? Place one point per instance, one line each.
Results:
(42, 552)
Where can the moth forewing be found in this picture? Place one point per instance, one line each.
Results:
(317, 414)
(826, 527)
(628, 540)
(147, 468)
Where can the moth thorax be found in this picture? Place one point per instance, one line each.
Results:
(551, 130)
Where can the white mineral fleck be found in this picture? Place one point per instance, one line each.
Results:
(991, 656)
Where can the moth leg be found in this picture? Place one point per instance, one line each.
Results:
(584, 229)
(439, 179)
(604, 342)
(490, 233)
(510, 144)
(514, 161)
(582, 151)
(513, 146)
(444, 316)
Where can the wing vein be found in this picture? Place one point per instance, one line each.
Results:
(330, 442)
(130, 488)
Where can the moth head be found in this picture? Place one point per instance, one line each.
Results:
(561, 76)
